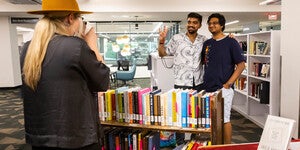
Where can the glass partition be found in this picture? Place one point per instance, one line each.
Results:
(125, 40)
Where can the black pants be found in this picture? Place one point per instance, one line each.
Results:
(196, 87)
(95, 146)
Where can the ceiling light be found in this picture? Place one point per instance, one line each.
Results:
(232, 22)
(24, 29)
(266, 2)
(246, 29)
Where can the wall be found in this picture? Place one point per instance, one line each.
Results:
(290, 51)
(10, 74)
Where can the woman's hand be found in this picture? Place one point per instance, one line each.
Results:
(91, 38)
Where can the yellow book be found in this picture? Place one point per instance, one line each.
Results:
(108, 101)
(163, 108)
(193, 111)
(174, 108)
(147, 122)
(190, 145)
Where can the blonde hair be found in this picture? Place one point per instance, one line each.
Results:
(44, 31)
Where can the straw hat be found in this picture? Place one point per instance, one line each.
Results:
(51, 6)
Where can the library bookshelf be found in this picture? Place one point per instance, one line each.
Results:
(214, 132)
(257, 89)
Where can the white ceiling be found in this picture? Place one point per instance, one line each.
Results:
(246, 11)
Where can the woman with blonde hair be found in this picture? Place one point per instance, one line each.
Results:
(60, 73)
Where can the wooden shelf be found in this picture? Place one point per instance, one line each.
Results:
(215, 132)
(156, 127)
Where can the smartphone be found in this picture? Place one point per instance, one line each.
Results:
(87, 27)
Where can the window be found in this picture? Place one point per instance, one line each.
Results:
(125, 40)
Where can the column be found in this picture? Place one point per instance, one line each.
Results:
(10, 73)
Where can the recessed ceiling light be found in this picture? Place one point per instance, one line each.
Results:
(246, 29)
(232, 22)
(266, 2)
(24, 29)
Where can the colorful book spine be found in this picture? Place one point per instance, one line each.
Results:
(140, 103)
(130, 106)
(121, 107)
(184, 100)
(151, 98)
(195, 118)
(155, 109)
(174, 107)
(147, 120)
(178, 108)
(169, 108)
(101, 106)
(144, 102)
(200, 108)
(192, 123)
(207, 111)
(203, 111)
(109, 104)
(126, 107)
(158, 109)
(116, 91)
(135, 106)
(163, 101)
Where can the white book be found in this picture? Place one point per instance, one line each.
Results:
(101, 106)
(276, 134)
(169, 121)
(163, 100)
(126, 110)
(144, 103)
(179, 114)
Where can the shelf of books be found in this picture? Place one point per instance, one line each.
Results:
(257, 89)
(175, 110)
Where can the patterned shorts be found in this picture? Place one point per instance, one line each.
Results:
(227, 94)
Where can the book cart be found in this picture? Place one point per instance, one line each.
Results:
(214, 132)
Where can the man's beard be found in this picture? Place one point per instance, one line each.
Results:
(192, 31)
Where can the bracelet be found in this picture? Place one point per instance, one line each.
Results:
(161, 43)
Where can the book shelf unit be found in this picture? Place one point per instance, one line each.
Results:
(248, 101)
(215, 132)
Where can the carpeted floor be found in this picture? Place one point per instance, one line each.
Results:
(12, 123)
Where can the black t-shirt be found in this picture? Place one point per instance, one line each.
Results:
(220, 58)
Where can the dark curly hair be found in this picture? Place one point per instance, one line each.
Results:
(221, 18)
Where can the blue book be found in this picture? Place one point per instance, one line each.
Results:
(207, 111)
(112, 139)
(184, 96)
(154, 141)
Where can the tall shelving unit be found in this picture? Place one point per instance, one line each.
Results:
(247, 99)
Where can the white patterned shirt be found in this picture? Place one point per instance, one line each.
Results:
(187, 57)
